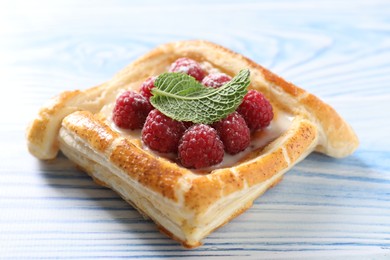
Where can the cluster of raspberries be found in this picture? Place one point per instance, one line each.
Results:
(197, 145)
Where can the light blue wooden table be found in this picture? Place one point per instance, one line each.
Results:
(324, 208)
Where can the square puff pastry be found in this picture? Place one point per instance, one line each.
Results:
(185, 204)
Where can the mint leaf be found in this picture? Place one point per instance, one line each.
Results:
(182, 98)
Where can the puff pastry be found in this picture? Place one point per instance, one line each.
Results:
(185, 204)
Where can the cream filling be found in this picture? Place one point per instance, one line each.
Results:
(277, 127)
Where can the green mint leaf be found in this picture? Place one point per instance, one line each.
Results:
(182, 98)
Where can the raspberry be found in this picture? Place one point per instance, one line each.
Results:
(215, 80)
(234, 133)
(146, 87)
(188, 124)
(131, 110)
(188, 66)
(162, 133)
(256, 110)
(200, 147)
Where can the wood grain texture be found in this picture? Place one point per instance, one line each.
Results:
(324, 208)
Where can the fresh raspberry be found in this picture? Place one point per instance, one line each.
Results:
(200, 147)
(188, 124)
(256, 110)
(146, 87)
(131, 110)
(162, 133)
(234, 133)
(188, 66)
(216, 80)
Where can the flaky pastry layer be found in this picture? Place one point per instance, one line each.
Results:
(185, 205)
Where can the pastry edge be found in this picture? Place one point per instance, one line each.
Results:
(337, 138)
(203, 196)
(328, 132)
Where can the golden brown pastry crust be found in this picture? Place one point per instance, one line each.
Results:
(316, 126)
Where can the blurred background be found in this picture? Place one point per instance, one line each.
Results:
(338, 50)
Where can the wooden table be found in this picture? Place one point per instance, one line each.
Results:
(324, 208)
